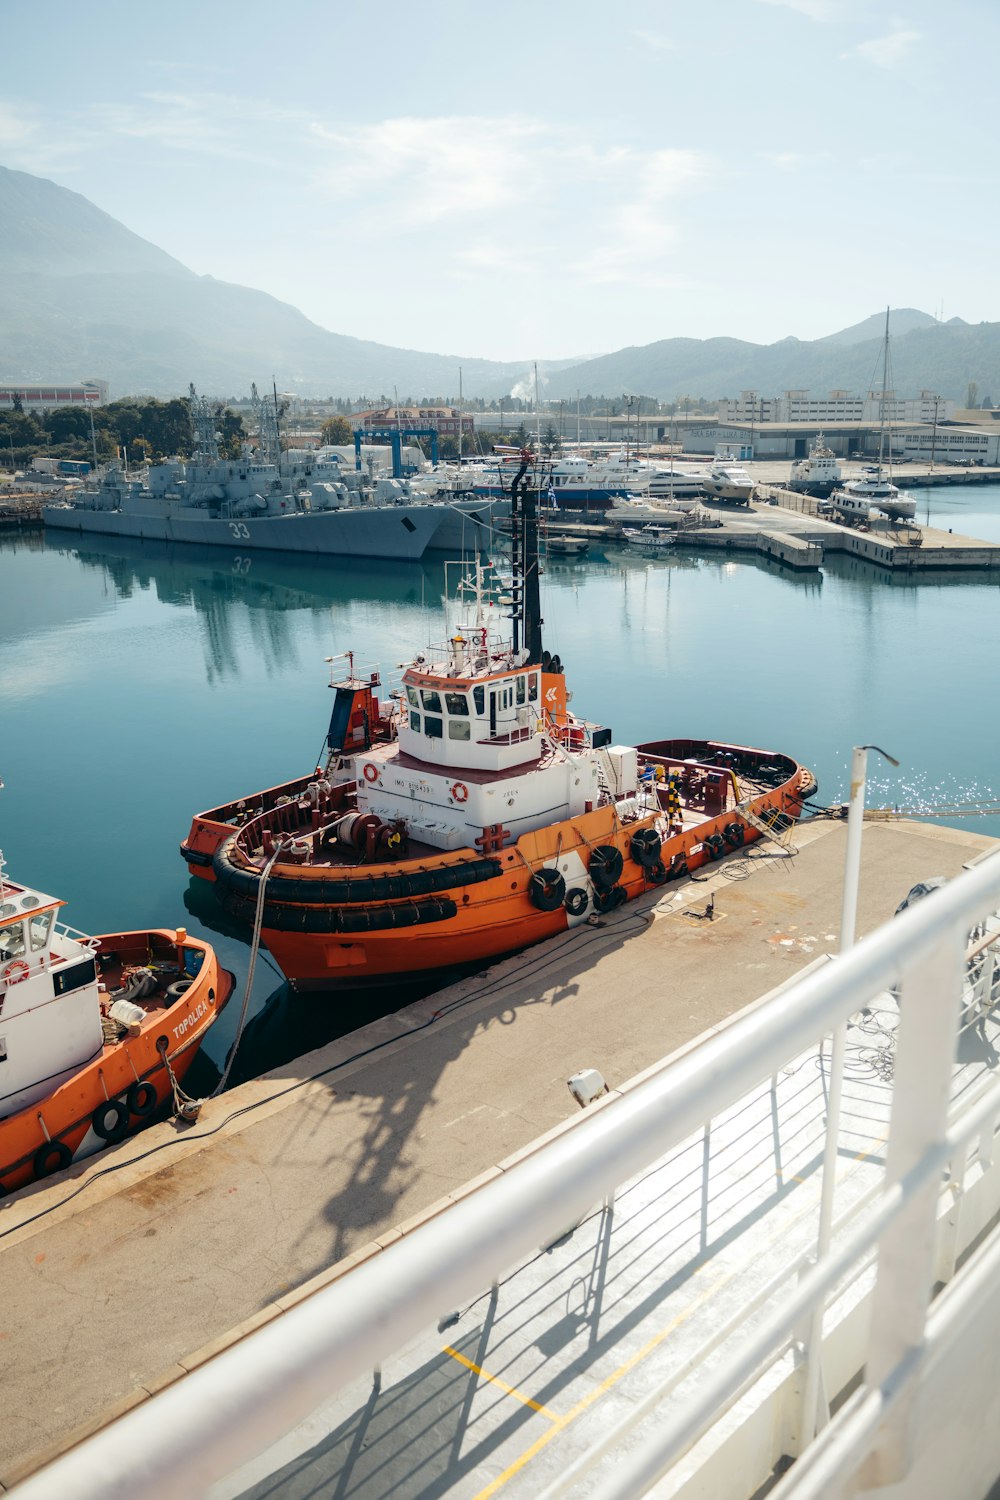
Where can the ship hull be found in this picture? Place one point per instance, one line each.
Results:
(401, 532)
(388, 923)
(52, 1132)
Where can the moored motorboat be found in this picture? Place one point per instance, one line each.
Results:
(96, 1030)
(475, 814)
(566, 546)
(649, 538)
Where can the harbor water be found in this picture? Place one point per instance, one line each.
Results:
(141, 683)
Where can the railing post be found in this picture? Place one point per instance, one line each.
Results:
(925, 1053)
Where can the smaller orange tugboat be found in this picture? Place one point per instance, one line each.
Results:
(96, 1033)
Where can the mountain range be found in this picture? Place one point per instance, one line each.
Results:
(81, 296)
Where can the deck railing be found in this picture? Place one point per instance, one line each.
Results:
(209, 1423)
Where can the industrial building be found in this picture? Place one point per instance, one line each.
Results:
(44, 396)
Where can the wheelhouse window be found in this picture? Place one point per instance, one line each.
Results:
(414, 720)
(411, 694)
(39, 928)
(456, 703)
(433, 727)
(431, 701)
(459, 729)
(533, 686)
(519, 686)
(479, 698)
(11, 941)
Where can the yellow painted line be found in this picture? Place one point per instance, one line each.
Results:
(559, 1424)
(502, 1384)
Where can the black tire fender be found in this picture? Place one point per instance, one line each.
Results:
(678, 867)
(141, 1099)
(645, 846)
(547, 889)
(110, 1120)
(178, 988)
(656, 874)
(576, 901)
(734, 835)
(715, 845)
(606, 865)
(51, 1157)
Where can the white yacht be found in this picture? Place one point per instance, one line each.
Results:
(819, 474)
(728, 480)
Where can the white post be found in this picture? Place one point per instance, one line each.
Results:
(812, 1416)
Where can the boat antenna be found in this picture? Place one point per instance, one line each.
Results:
(277, 423)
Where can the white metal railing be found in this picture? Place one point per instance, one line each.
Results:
(238, 1404)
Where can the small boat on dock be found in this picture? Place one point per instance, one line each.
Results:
(649, 538)
(473, 814)
(98, 1032)
(566, 546)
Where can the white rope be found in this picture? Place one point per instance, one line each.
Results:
(258, 922)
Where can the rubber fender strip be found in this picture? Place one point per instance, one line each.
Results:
(195, 856)
(351, 890)
(328, 919)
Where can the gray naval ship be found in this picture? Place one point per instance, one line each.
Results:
(278, 501)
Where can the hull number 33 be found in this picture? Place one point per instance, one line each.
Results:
(239, 530)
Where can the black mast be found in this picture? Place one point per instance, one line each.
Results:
(527, 614)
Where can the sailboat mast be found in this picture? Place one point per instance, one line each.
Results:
(882, 403)
(460, 399)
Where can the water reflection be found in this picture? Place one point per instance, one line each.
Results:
(224, 588)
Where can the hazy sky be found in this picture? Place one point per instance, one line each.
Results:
(536, 177)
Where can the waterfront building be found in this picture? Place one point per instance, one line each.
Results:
(836, 406)
(443, 419)
(45, 396)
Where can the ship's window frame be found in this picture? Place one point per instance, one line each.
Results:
(12, 943)
(519, 686)
(431, 700)
(39, 929)
(459, 729)
(434, 726)
(533, 687)
(479, 697)
(414, 720)
(412, 697)
(457, 703)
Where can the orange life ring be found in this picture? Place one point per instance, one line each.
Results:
(371, 772)
(15, 971)
(460, 792)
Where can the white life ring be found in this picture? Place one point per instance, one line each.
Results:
(15, 971)
(460, 792)
(371, 772)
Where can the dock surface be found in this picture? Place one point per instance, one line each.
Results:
(129, 1270)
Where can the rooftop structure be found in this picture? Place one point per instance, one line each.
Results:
(43, 397)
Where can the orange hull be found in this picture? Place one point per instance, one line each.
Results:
(50, 1133)
(480, 921)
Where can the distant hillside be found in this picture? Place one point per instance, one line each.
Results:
(82, 296)
(50, 231)
(901, 320)
(943, 357)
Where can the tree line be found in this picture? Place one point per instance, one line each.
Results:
(146, 427)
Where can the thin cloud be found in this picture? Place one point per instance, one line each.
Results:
(655, 41)
(886, 51)
(816, 10)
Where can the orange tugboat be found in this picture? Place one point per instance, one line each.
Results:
(97, 1032)
(474, 814)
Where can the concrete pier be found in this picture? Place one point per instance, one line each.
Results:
(125, 1273)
